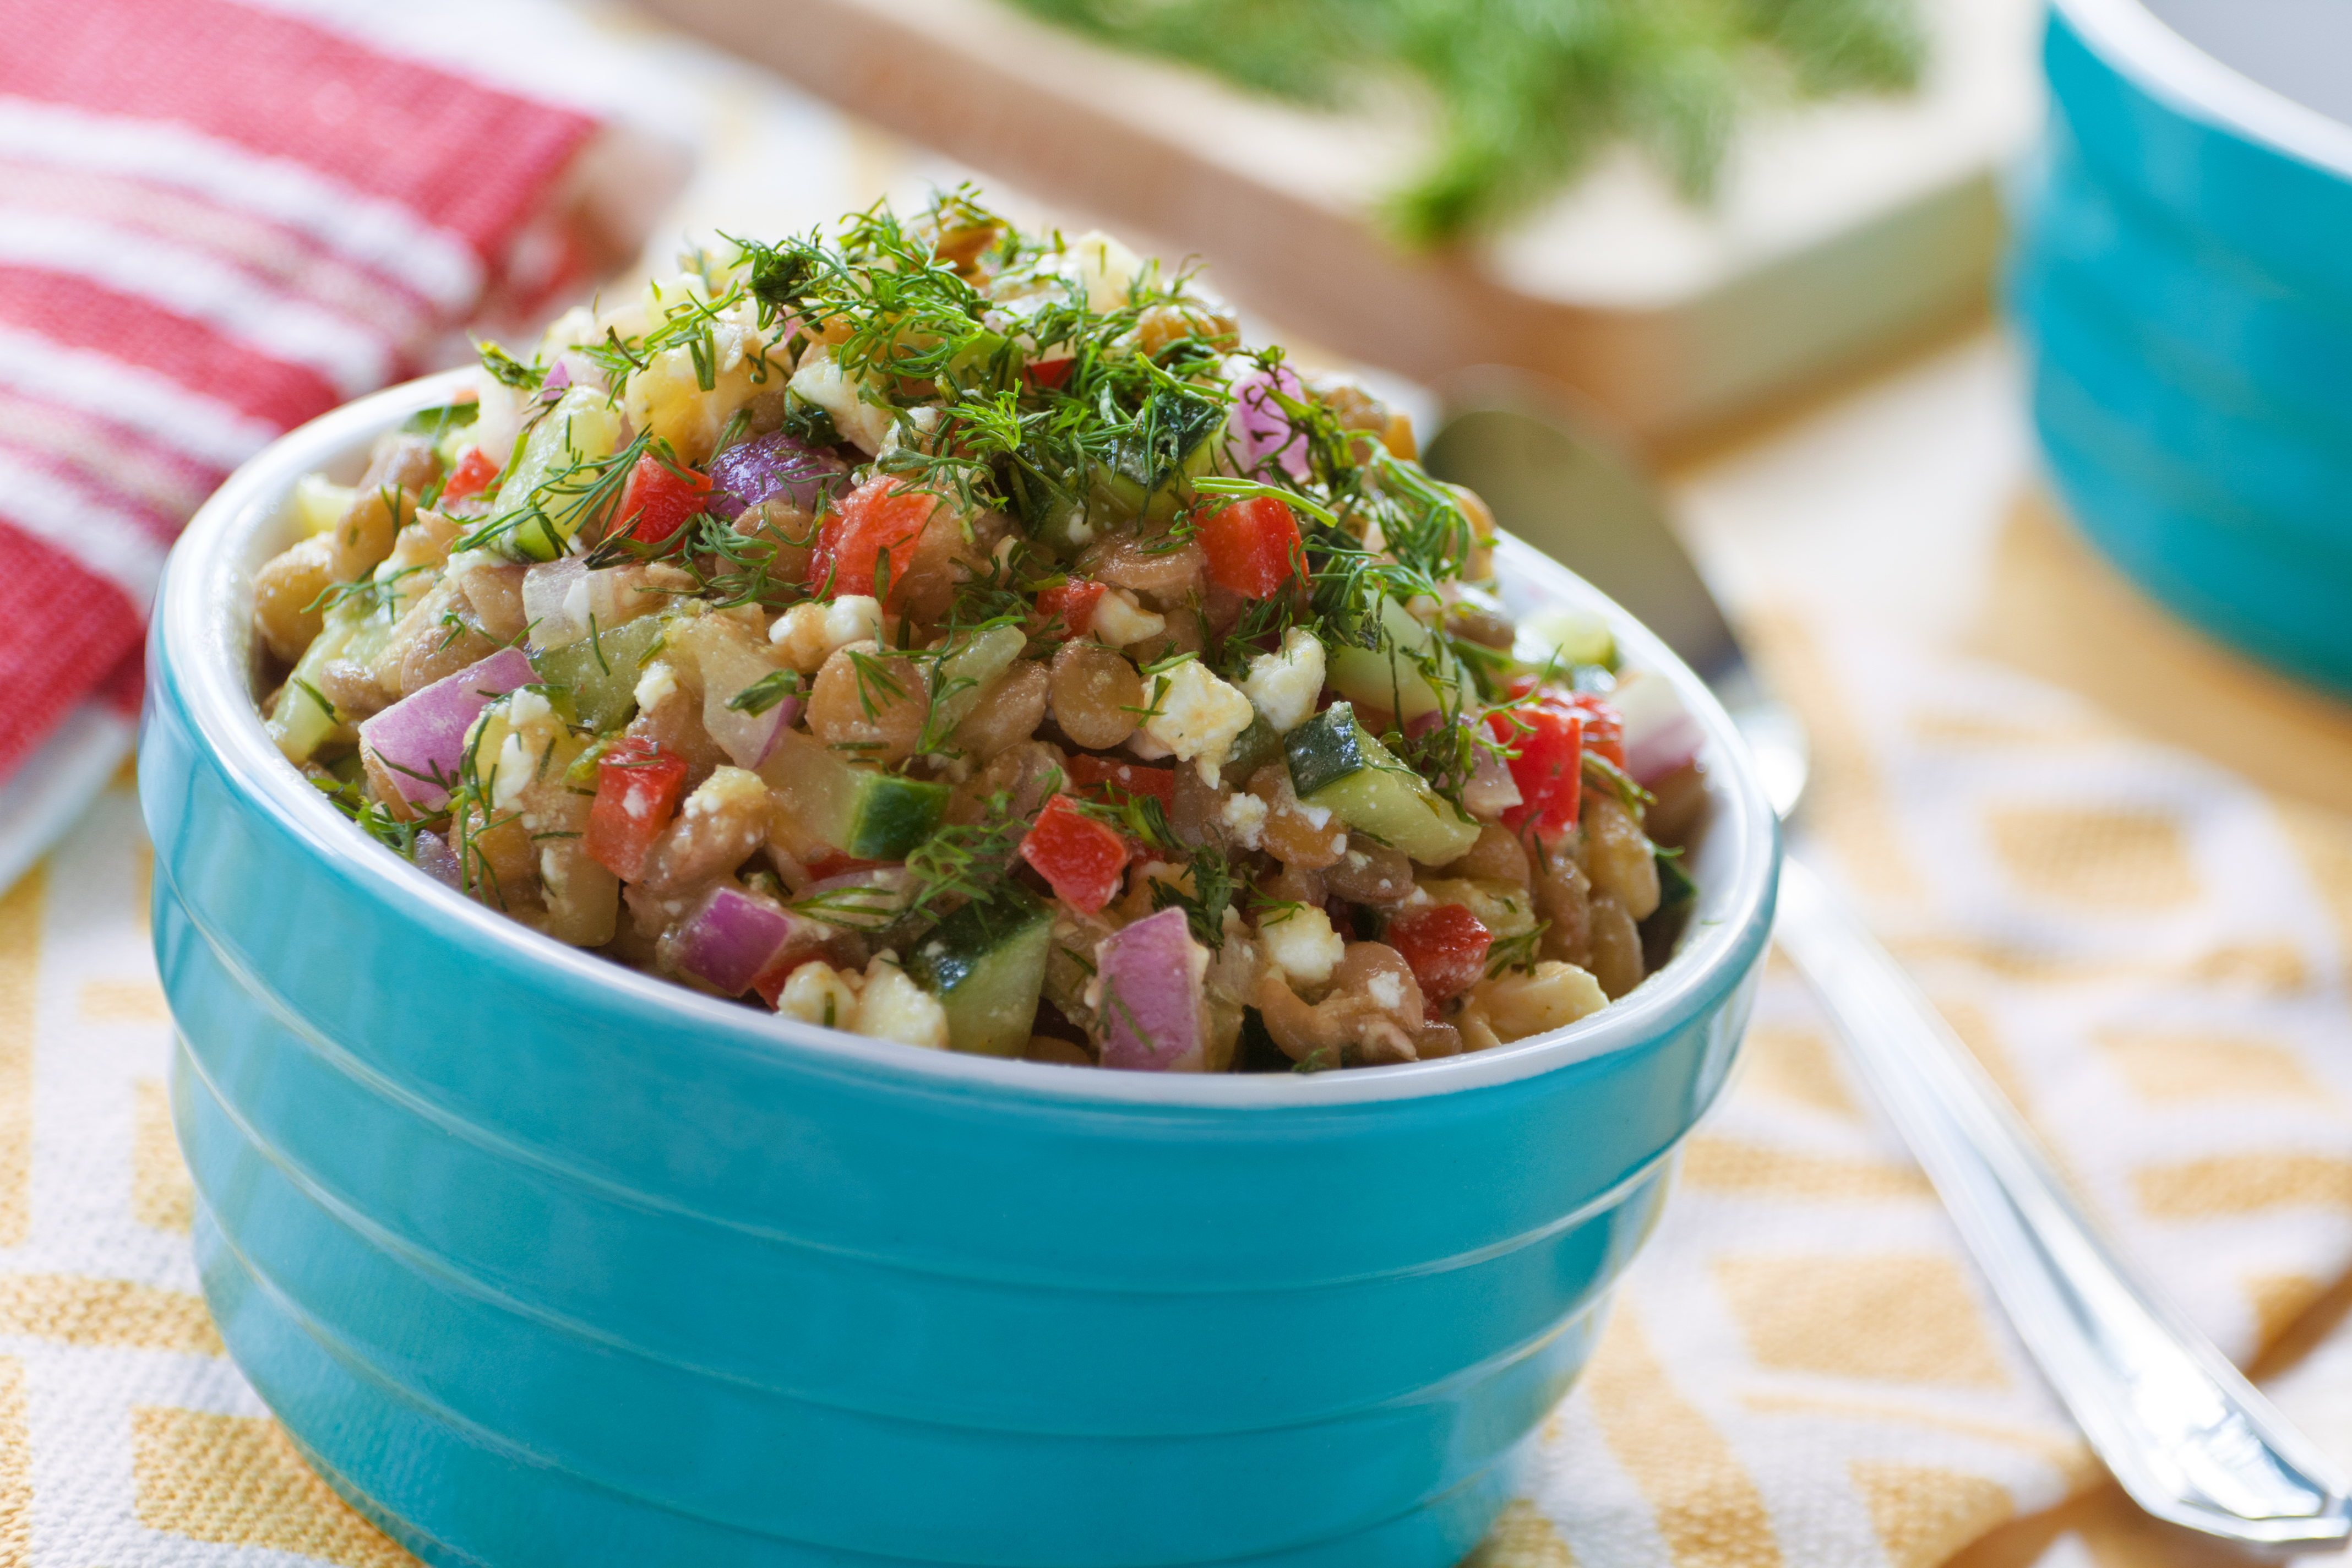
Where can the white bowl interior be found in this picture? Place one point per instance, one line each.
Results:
(205, 612)
(2157, 45)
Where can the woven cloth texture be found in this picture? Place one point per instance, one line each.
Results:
(216, 222)
(2149, 956)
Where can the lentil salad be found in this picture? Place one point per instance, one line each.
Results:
(957, 637)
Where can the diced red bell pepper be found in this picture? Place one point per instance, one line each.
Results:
(637, 786)
(1550, 767)
(1604, 727)
(474, 474)
(657, 500)
(1446, 946)
(1080, 857)
(871, 540)
(1069, 605)
(1048, 375)
(1252, 546)
(809, 943)
(1101, 777)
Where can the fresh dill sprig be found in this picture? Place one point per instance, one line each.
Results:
(1213, 886)
(1527, 96)
(1516, 951)
(967, 862)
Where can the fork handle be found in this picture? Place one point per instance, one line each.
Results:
(2189, 1439)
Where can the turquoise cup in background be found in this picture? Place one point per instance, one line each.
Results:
(544, 1262)
(2182, 278)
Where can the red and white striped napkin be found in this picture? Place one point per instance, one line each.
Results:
(216, 221)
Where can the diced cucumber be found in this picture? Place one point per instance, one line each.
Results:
(449, 427)
(302, 721)
(603, 672)
(1253, 749)
(320, 503)
(1397, 675)
(1565, 639)
(965, 676)
(986, 963)
(546, 490)
(1177, 439)
(854, 808)
(1337, 765)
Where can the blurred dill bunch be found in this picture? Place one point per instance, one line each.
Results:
(1527, 91)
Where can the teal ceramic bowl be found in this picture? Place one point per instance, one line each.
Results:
(546, 1262)
(2181, 284)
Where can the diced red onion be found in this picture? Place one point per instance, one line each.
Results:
(729, 939)
(559, 376)
(1490, 790)
(1660, 733)
(728, 666)
(547, 604)
(774, 467)
(1257, 427)
(421, 738)
(1149, 974)
(437, 860)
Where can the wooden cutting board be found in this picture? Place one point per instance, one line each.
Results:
(1841, 231)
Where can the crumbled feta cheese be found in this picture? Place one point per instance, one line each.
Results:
(894, 1008)
(657, 682)
(1244, 818)
(1145, 747)
(531, 729)
(1196, 716)
(822, 381)
(1284, 685)
(728, 790)
(527, 709)
(809, 633)
(666, 396)
(511, 773)
(1303, 945)
(1120, 620)
(925, 420)
(1104, 268)
(1386, 990)
(818, 993)
(1315, 815)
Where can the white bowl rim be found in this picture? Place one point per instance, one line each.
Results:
(205, 573)
(2168, 68)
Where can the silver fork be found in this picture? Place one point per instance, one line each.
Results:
(2190, 1439)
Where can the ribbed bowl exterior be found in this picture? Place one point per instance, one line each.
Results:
(2180, 282)
(544, 1263)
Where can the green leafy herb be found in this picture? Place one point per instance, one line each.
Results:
(509, 369)
(766, 692)
(1212, 894)
(967, 862)
(1516, 951)
(1526, 95)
